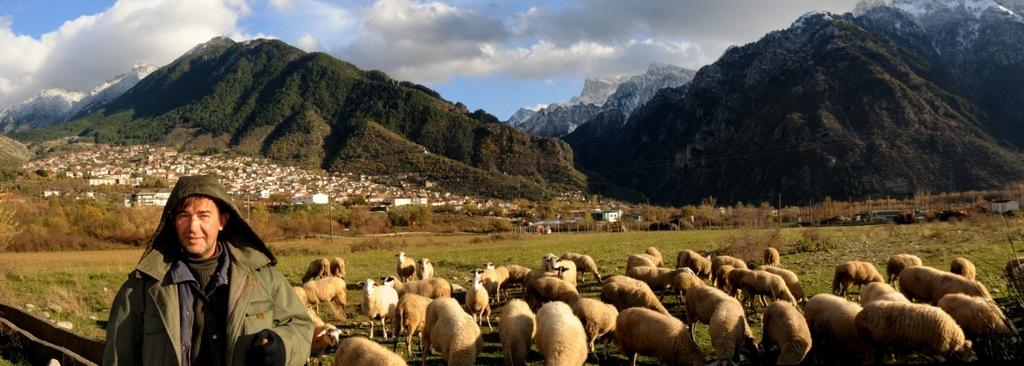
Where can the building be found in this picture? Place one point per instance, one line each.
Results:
(150, 197)
(310, 199)
(608, 216)
(51, 193)
(1002, 206)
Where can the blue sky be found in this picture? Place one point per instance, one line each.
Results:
(498, 55)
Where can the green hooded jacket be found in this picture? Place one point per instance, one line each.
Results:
(144, 325)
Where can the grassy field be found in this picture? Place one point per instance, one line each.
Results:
(79, 286)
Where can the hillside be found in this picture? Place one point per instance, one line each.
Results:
(267, 98)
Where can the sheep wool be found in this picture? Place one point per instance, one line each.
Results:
(477, 302)
(405, 268)
(791, 279)
(771, 257)
(546, 289)
(830, 319)
(682, 282)
(597, 317)
(647, 332)
(338, 267)
(880, 291)
(330, 290)
(898, 262)
(786, 328)
(639, 260)
(560, 339)
(625, 292)
(701, 266)
(907, 327)
(410, 315)
(584, 264)
(424, 269)
(927, 284)
(854, 273)
(722, 260)
(963, 266)
(659, 260)
(516, 329)
(727, 324)
(451, 332)
(379, 302)
(318, 268)
(978, 317)
(433, 288)
(359, 351)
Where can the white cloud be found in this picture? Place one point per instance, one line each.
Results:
(282, 4)
(309, 43)
(84, 51)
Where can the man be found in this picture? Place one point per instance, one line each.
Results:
(206, 292)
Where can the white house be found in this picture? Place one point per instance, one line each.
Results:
(51, 193)
(315, 199)
(1002, 206)
(150, 197)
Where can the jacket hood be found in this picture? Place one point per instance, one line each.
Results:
(163, 247)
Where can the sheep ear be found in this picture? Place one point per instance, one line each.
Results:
(322, 332)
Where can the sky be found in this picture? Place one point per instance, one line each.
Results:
(496, 55)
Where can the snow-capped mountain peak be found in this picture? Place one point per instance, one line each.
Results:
(925, 8)
(597, 90)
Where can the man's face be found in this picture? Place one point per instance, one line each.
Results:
(197, 225)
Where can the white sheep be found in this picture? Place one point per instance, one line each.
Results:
(854, 273)
(906, 327)
(410, 314)
(360, 351)
(759, 283)
(516, 329)
(727, 325)
(452, 332)
(379, 302)
(639, 260)
(978, 317)
(318, 268)
(785, 327)
(771, 257)
(700, 265)
(424, 269)
(338, 267)
(584, 264)
(927, 284)
(545, 289)
(880, 291)
(324, 337)
(963, 266)
(566, 269)
(722, 260)
(492, 279)
(433, 288)
(830, 319)
(330, 290)
(560, 338)
(792, 281)
(647, 332)
(598, 319)
(477, 302)
(625, 292)
(406, 267)
(896, 264)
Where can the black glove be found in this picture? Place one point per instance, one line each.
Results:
(267, 348)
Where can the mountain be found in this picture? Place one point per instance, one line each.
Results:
(834, 105)
(54, 105)
(603, 95)
(12, 154)
(520, 117)
(267, 98)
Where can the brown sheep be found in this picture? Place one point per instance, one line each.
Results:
(360, 351)
(701, 266)
(639, 260)
(978, 317)
(898, 262)
(338, 267)
(927, 284)
(643, 331)
(786, 328)
(854, 273)
(331, 290)
(410, 315)
(880, 291)
(547, 289)
(656, 277)
(625, 292)
(906, 327)
(516, 328)
(659, 260)
(792, 281)
(682, 282)
(598, 319)
(492, 279)
(722, 273)
(722, 260)
(771, 257)
(830, 319)
(452, 332)
(759, 283)
(318, 268)
(727, 324)
(584, 264)
(406, 267)
(963, 266)
(433, 288)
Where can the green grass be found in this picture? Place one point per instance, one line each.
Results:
(82, 284)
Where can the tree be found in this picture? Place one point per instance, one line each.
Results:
(9, 227)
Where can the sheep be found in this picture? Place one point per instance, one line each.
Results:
(547, 262)
(927, 284)
(598, 319)
(701, 266)
(379, 302)
(830, 319)
(639, 260)
(566, 269)
(643, 331)
(424, 270)
(318, 268)
(853, 273)
(978, 317)
(759, 283)
(546, 289)
(516, 274)
(406, 267)
(516, 329)
(452, 332)
(792, 281)
(786, 328)
(963, 266)
(493, 278)
(477, 302)
(682, 282)
(724, 316)
(584, 264)
(360, 351)
(330, 290)
(898, 262)
(338, 267)
(722, 275)
(324, 337)
(656, 254)
(771, 257)
(410, 314)
(721, 261)
(906, 327)
(880, 291)
(656, 277)
(625, 292)
(560, 338)
(433, 288)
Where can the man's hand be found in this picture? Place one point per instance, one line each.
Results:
(267, 349)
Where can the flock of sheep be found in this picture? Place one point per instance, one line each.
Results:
(564, 326)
